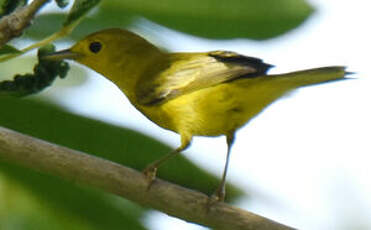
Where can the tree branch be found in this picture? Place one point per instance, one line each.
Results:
(111, 177)
(12, 25)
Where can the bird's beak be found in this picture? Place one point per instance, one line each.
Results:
(63, 54)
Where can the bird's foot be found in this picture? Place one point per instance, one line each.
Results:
(217, 196)
(150, 174)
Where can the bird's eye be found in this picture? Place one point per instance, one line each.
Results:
(95, 47)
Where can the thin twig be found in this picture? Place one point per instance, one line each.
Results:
(57, 35)
(172, 199)
(12, 25)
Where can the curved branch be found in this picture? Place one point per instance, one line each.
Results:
(12, 25)
(172, 199)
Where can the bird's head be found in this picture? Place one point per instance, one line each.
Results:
(110, 50)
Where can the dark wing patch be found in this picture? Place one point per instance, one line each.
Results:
(190, 72)
(260, 67)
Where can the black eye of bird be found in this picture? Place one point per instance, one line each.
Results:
(95, 47)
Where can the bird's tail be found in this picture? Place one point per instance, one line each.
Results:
(313, 76)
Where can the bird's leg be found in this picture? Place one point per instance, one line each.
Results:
(151, 169)
(219, 193)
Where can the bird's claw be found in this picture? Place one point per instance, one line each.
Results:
(150, 174)
(217, 196)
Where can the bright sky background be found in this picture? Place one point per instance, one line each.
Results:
(305, 159)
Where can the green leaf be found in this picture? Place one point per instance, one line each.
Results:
(45, 72)
(114, 143)
(227, 19)
(78, 10)
(254, 19)
(62, 3)
(8, 49)
(65, 205)
(46, 24)
(8, 6)
(90, 208)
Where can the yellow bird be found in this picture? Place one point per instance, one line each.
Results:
(193, 94)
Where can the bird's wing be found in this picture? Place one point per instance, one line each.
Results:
(189, 72)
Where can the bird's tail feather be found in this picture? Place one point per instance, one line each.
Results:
(313, 76)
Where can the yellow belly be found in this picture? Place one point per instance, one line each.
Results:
(216, 110)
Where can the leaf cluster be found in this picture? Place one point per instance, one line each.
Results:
(44, 74)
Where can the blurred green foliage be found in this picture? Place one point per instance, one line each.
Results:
(8, 49)
(62, 3)
(225, 19)
(8, 6)
(31, 200)
(78, 10)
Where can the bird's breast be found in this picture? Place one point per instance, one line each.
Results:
(212, 111)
